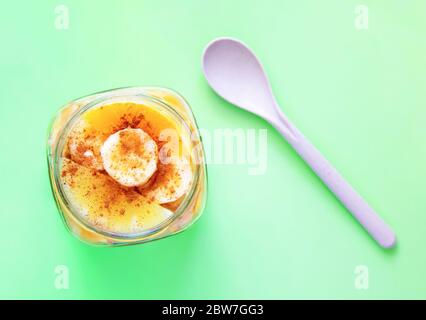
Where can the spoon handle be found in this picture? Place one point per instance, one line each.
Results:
(359, 208)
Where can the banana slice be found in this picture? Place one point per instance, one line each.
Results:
(130, 157)
(170, 183)
(102, 202)
(84, 146)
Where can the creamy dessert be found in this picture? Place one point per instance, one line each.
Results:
(127, 165)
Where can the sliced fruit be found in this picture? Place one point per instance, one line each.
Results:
(84, 145)
(170, 183)
(130, 157)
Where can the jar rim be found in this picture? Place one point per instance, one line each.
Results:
(59, 145)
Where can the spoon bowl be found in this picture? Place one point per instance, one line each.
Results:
(234, 72)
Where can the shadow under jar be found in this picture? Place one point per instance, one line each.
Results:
(127, 165)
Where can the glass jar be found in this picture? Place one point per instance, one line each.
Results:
(168, 103)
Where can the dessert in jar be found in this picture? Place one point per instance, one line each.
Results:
(127, 165)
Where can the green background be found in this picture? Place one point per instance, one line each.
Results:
(359, 95)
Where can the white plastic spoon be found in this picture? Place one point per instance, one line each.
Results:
(234, 72)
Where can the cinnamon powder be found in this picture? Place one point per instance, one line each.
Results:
(129, 143)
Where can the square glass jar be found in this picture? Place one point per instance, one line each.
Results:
(164, 100)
